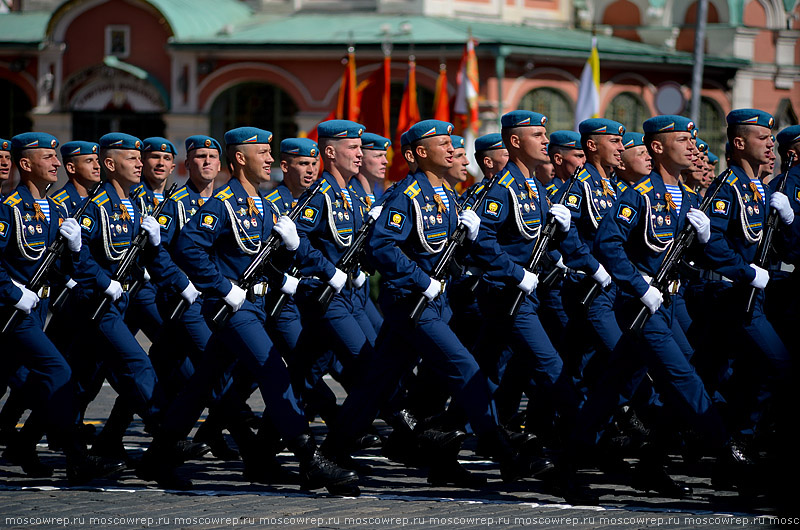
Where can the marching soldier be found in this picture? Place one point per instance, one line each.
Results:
(636, 160)
(5, 163)
(214, 249)
(29, 223)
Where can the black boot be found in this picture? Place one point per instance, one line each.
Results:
(22, 452)
(159, 464)
(108, 444)
(90, 467)
(316, 471)
(513, 464)
(651, 475)
(258, 455)
(210, 433)
(733, 469)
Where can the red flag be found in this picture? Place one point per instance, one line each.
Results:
(374, 95)
(408, 116)
(441, 100)
(348, 100)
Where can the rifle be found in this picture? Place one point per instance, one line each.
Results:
(442, 266)
(762, 252)
(672, 260)
(129, 259)
(248, 278)
(540, 248)
(51, 255)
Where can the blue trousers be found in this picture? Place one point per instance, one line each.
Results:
(399, 347)
(142, 313)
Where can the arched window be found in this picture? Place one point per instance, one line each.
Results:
(628, 109)
(255, 105)
(15, 106)
(553, 104)
(712, 127)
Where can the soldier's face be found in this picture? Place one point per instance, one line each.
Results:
(572, 160)
(757, 144)
(258, 162)
(203, 165)
(43, 164)
(678, 149)
(300, 169)
(637, 160)
(533, 142)
(458, 173)
(85, 168)
(348, 156)
(609, 149)
(373, 164)
(158, 166)
(126, 165)
(438, 151)
(495, 160)
(5, 165)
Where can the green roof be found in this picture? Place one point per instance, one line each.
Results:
(191, 19)
(25, 28)
(328, 30)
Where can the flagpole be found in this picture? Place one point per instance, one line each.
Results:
(699, 56)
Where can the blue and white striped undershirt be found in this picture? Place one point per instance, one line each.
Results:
(346, 194)
(532, 184)
(441, 193)
(128, 206)
(159, 196)
(259, 204)
(760, 188)
(677, 196)
(45, 206)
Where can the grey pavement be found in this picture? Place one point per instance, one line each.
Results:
(393, 497)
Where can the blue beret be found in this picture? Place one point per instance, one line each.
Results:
(712, 158)
(119, 141)
(750, 117)
(566, 139)
(375, 142)
(702, 146)
(632, 139)
(489, 141)
(523, 118)
(33, 140)
(667, 123)
(694, 132)
(404, 139)
(458, 141)
(247, 135)
(340, 129)
(601, 126)
(201, 141)
(157, 143)
(5, 145)
(299, 147)
(79, 148)
(789, 136)
(428, 129)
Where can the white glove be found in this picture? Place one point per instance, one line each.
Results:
(153, 229)
(359, 280)
(114, 290)
(338, 280)
(780, 202)
(602, 276)
(701, 223)
(761, 279)
(190, 294)
(529, 282)
(235, 297)
(27, 301)
(562, 215)
(471, 220)
(289, 285)
(288, 231)
(433, 290)
(375, 212)
(71, 231)
(652, 299)
(145, 275)
(560, 264)
(70, 283)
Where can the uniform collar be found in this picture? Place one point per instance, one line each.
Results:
(357, 187)
(239, 192)
(27, 198)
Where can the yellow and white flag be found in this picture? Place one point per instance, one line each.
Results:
(588, 105)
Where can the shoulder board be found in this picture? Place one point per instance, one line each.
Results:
(506, 179)
(60, 197)
(101, 198)
(325, 187)
(413, 190)
(621, 186)
(180, 194)
(13, 199)
(274, 196)
(224, 194)
(58, 206)
(644, 186)
(732, 179)
(447, 186)
(480, 188)
(688, 189)
(584, 175)
(138, 191)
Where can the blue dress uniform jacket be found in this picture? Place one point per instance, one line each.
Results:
(68, 197)
(789, 246)
(219, 241)
(282, 199)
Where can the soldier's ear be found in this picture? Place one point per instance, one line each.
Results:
(738, 143)
(284, 165)
(488, 163)
(69, 167)
(591, 144)
(558, 159)
(25, 163)
(420, 151)
(108, 163)
(330, 152)
(656, 147)
(513, 139)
